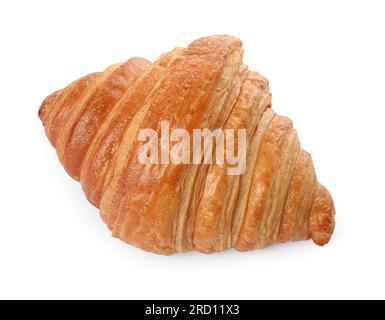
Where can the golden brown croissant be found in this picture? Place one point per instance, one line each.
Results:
(167, 208)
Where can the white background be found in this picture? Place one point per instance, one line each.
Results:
(326, 65)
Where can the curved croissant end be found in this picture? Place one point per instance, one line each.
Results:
(166, 208)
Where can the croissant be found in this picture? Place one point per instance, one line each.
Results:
(167, 208)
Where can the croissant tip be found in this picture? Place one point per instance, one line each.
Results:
(41, 112)
(322, 217)
(46, 106)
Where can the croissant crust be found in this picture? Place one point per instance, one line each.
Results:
(166, 208)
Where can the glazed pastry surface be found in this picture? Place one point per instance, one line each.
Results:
(166, 208)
